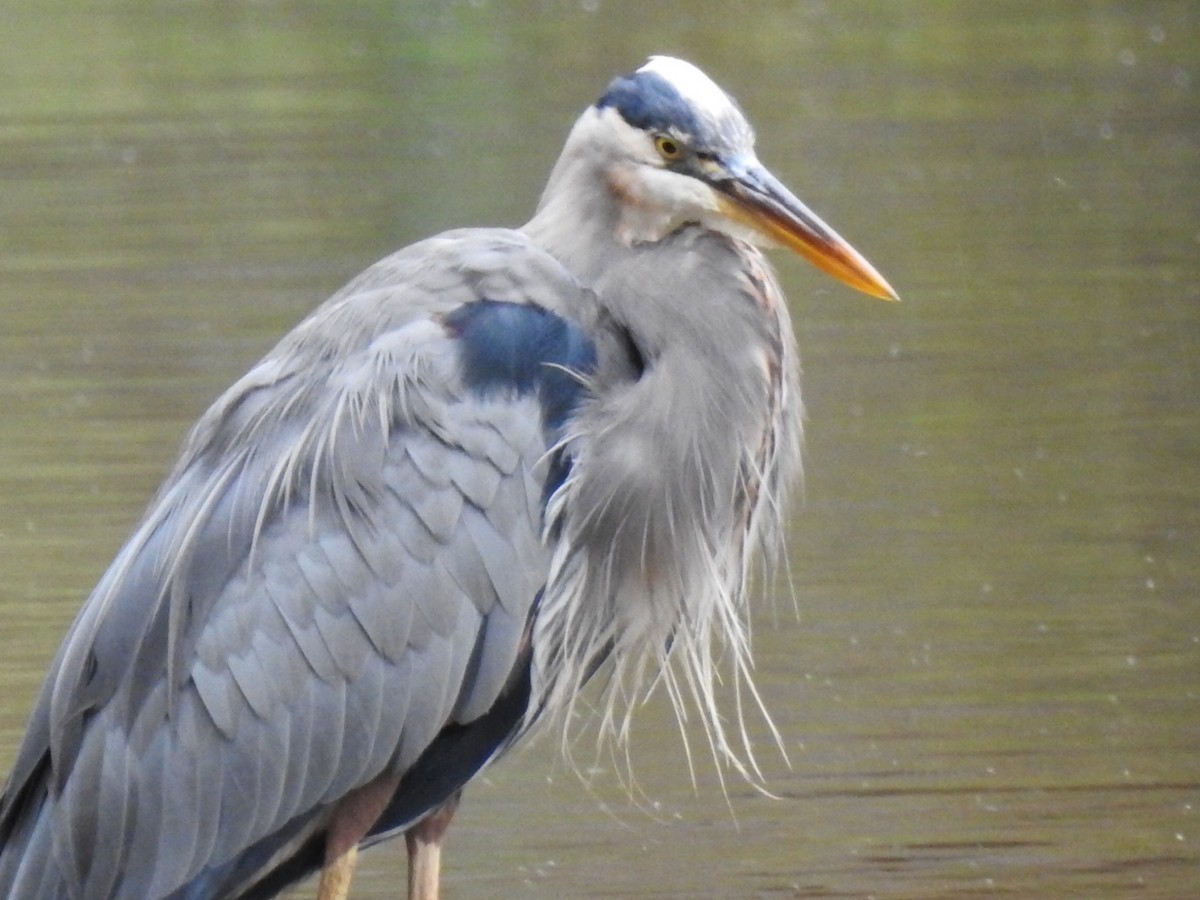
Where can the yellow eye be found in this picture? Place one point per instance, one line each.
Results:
(668, 148)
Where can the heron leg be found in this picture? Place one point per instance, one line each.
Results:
(337, 875)
(352, 818)
(424, 842)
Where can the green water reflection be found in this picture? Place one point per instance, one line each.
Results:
(993, 682)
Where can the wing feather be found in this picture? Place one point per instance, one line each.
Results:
(342, 564)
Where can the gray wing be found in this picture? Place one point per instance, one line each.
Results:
(343, 563)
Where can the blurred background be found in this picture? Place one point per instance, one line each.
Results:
(984, 660)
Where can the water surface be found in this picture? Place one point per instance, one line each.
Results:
(986, 667)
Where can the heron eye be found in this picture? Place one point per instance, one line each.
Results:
(668, 148)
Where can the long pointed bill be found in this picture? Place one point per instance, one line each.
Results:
(756, 198)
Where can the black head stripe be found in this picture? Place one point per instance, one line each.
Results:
(648, 101)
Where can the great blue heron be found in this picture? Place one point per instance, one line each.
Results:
(494, 462)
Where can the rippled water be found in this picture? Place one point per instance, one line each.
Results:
(988, 681)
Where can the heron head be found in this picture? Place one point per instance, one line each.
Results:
(674, 148)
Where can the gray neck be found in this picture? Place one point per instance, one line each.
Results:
(687, 286)
(578, 217)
